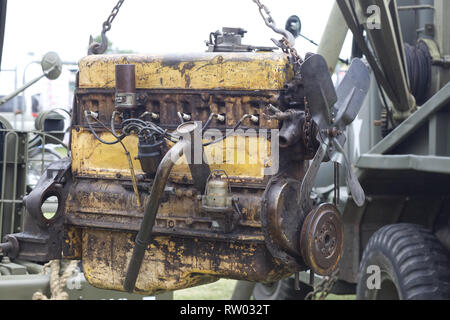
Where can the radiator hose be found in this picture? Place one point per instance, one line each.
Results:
(144, 236)
(200, 173)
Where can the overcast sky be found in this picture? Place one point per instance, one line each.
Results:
(170, 26)
(145, 26)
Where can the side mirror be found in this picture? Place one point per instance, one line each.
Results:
(294, 26)
(51, 65)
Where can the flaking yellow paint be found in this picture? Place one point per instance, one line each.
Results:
(233, 71)
(243, 157)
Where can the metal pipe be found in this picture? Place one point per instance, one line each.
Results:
(144, 236)
(18, 91)
(292, 128)
(416, 7)
(125, 86)
(200, 171)
(333, 38)
(51, 68)
(32, 268)
(3, 6)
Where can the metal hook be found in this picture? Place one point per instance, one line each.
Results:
(98, 48)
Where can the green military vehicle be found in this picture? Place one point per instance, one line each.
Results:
(397, 245)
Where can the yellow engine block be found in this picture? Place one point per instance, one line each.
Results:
(234, 215)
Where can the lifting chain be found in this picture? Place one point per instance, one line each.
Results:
(288, 42)
(297, 60)
(323, 289)
(287, 45)
(265, 13)
(308, 129)
(100, 48)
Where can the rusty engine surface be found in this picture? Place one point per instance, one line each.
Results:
(236, 215)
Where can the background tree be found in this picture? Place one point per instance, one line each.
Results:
(111, 48)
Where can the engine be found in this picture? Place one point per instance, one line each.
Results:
(184, 169)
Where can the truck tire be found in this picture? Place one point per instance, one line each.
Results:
(280, 290)
(411, 262)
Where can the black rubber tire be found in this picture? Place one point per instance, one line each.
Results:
(413, 263)
(281, 290)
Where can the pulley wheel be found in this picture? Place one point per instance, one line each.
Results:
(322, 239)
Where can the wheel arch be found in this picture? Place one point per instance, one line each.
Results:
(432, 212)
(411, 263)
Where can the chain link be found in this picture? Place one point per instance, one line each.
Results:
(265, 13)
(323, 289)
(287, 44)
(100, 48)
(107, 24)
(297, 59)
(308, 128)
(270, 22)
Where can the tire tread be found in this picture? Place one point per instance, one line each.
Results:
(422, 264)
